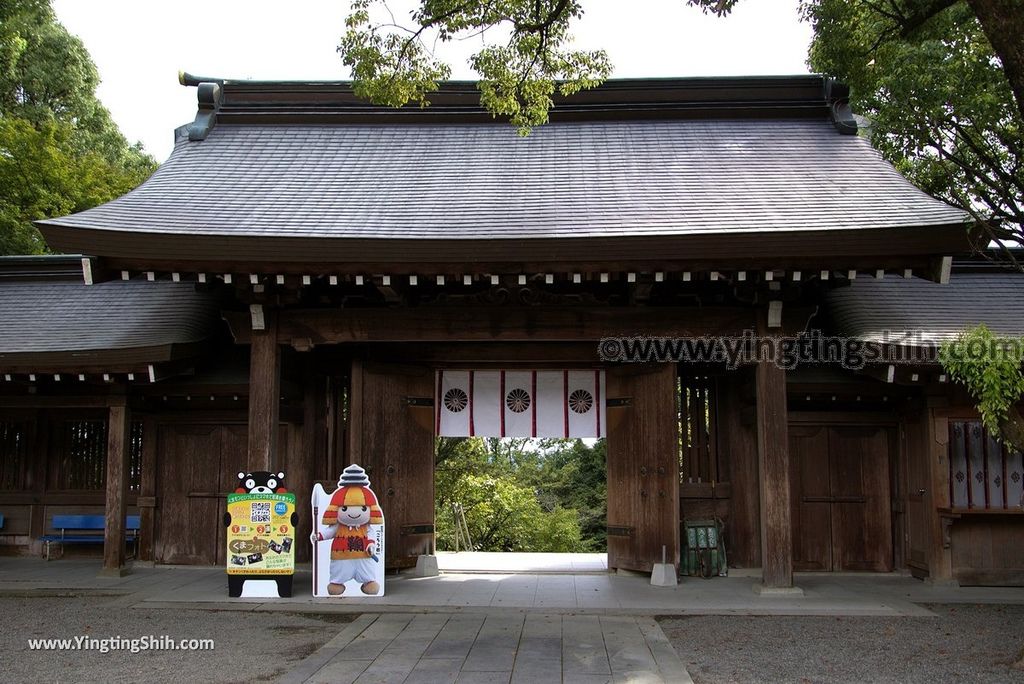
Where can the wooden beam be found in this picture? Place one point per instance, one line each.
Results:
(264, 395)
(773, 466)
(118, 425)
(490, 324)
(472, 354)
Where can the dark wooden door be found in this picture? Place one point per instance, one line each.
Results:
(810, 498)
(861, 514)
(392, 437)
(189, 487)
(839, 479)
(643, 466)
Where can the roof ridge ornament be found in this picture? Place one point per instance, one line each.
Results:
(837, 94)
(209, 95)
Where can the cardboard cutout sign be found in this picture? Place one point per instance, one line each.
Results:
(260, 522)
(348, 538)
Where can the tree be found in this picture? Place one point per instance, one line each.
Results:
(522, 495)
(942, 81)
(60, 151)
(943, 90)
(989, 367)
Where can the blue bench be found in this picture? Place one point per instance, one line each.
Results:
(72, 528)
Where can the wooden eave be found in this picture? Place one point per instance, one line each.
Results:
(99, 361)
(864, 249)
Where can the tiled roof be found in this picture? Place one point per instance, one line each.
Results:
(565, 180)
(915, 311)
(70, 317)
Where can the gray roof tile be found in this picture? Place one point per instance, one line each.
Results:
(68, 316)
(916, 311)
(572, 179)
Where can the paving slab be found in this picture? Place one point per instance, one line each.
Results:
(583, 646)
(495, 648)
(456, 638)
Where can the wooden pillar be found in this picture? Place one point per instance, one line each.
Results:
(773, 466)
(118, 426)
(264, 395)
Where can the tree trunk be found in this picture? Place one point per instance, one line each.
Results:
(1012, 429)
(1003, 22)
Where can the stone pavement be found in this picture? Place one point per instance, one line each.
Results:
(494, 648)
(597, 594)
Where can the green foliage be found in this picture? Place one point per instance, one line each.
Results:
(60, 151)
(394, 64)
(41, 175)
(518, 495)
(990, 367)
(940, 105)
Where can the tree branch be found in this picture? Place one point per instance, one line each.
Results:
(542, 24)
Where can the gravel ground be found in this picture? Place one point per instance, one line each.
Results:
(248, 646)
(966, 643)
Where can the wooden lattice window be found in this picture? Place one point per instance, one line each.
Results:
(984, 472)
(83, 456)
(13, 454)
(135, 457)
(698, 408)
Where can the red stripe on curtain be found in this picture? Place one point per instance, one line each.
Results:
(565, 401)
(472, 427)
(437, 412)
(501, 403)
(533, 401)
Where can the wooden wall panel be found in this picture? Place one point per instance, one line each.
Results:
(738, 443)
(643, 467)
(918, 497)
(17, 520)
(987, 551)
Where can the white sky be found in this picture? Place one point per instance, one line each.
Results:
(139, 46)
